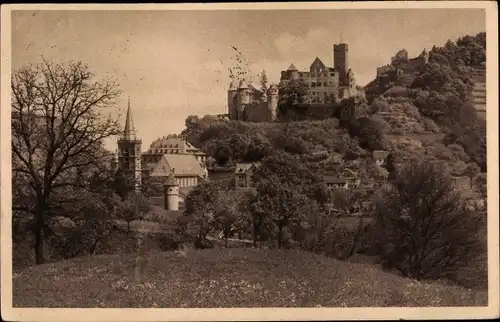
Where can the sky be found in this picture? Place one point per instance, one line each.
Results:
(175, 63)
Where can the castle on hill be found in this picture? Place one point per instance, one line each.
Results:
(249, 103)
(400, 69)
(327, 84)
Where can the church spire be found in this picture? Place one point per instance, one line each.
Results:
(129, 131)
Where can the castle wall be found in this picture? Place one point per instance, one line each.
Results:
(344, 110)
(258, 112)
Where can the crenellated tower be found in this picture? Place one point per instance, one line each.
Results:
(340, 61)
(243, 99)
(129, 151)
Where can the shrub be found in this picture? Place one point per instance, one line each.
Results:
(421, 228)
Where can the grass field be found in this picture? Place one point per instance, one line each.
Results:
(226, 278)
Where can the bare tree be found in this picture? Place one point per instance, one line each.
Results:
(59, 121)
(421, 228)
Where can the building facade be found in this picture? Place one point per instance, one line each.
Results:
(244, 174)
(172, 145)
(249, 103)
(327, 84)
(167, 156)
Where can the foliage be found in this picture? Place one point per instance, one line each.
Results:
(421, 228)
(263, 81)
(292, 93)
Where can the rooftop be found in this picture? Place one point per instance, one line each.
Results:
(244, 167)
(180, 164)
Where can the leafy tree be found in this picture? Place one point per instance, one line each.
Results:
(283, 187)
(58, 125)
(421, 228)
(223, 154)
(202, 202)
(263, 81)
(292, 93)
(282, 203)
(134, 208)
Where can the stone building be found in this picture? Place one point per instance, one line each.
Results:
(244, 173)
(251, 104)
(167, 156)
(401, 69)
(129, 152)
(187, 170)
(327, 84)
(171, 193)
(172, 145)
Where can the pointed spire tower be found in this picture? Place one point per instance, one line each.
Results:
(129, 130)
(129, 151)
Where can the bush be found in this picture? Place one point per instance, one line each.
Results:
(421, 228)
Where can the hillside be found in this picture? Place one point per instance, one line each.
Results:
(228, 278)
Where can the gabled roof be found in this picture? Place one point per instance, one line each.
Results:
(350, 173)
(318, 61)
(181, 164)
(292, 68)
(244, 167)
(254, 88)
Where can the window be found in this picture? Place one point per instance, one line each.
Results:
(332, 74)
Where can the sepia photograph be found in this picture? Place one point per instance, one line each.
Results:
(279, 161)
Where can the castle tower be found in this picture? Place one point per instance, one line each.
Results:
(243, 99)
(129, 151)
(424, 57)
(272, 101)
(231, 94)
(340, 60)
(292, 72)
(171, 193)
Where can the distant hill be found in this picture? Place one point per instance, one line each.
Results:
(226, 278)
(440, 92)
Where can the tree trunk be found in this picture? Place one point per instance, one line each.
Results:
(38, 232)
(39, 245)
(254, 233)
(280, 232)
(226, 240)
(355, 241)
